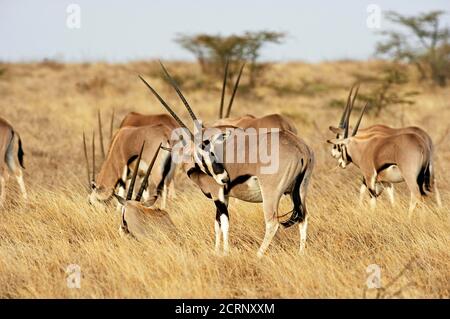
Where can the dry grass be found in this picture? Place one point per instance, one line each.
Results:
(51, 104)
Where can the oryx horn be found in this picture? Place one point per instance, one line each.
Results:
(136, 168)
(166, 106)
(355, 129)
(177, 89)
(224, 85)
(93, 156)
(147, 175)
(111, 125)
(87, 160)
(344, 114)
(234, 90)
(100, 131)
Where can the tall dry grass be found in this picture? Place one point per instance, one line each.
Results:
(51, 105)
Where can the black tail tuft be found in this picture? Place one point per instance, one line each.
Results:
(20, 153)
(298, 213)
(424, 180)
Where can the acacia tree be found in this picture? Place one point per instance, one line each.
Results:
(212, 51)
(423, 42)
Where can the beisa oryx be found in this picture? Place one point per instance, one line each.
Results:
(117, 167)
(387, 158)
(216, 152)
(11, 152)
(248, 120)
(383, 130)
(138, 218)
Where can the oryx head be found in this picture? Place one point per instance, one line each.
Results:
(336, 150)
(341, 142)
(200, 150)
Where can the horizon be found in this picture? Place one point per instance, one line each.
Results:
(34, 32)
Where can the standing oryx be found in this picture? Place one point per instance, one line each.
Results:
(122, 152)
(248, 120)
(247, 179)
(9, 162)
(137, 215)
(381, 130)
(384, 158)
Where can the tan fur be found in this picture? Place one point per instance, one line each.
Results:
(144, 222)
(137, 119)
(267, 121)
(9, 162)
(126, 143)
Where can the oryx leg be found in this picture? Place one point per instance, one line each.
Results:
(370, 179)
(19, 177)
(270, 208)
(221, 225)
(16, 170)
(390, 191)
(122, 188)
(362, 191)
(3, 179)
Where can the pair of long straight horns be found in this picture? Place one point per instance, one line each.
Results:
(146, 177)
(100, 131)
(345, 119)
(166, 106)
(233, 94)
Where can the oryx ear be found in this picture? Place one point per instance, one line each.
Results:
(336, 130)
(121, 200)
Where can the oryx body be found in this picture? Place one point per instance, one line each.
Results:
(267, 121)
(387, 156)
(121, 155)
(10, 161)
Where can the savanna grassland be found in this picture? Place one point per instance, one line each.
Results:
(51, 104)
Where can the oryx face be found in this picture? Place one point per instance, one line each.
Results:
(336, 150)
(208, 161)
(340, 151)
(99, 195)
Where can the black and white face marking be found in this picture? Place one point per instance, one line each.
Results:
(209, 163)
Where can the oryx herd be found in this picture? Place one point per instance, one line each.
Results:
(253, 159)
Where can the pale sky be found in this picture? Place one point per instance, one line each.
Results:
(119, 31)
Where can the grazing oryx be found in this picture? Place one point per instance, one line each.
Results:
(137, 216)
(248, 120)
(9, 138)
(247, 179)
(122, 153)
(387, 158)
(382, 130)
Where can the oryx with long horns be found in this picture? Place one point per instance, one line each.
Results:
(11, 162)
(383, 130)
(118, 164)
(137, 214)
(212, 157)
(402, 157)
(248, 120)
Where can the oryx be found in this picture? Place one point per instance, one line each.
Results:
(248, 120)
(387, 158)
(382, 130)
(247, 180)
(122, 152)
(137, 216)
(11, 162)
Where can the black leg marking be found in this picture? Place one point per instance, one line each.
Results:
(221, 209)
